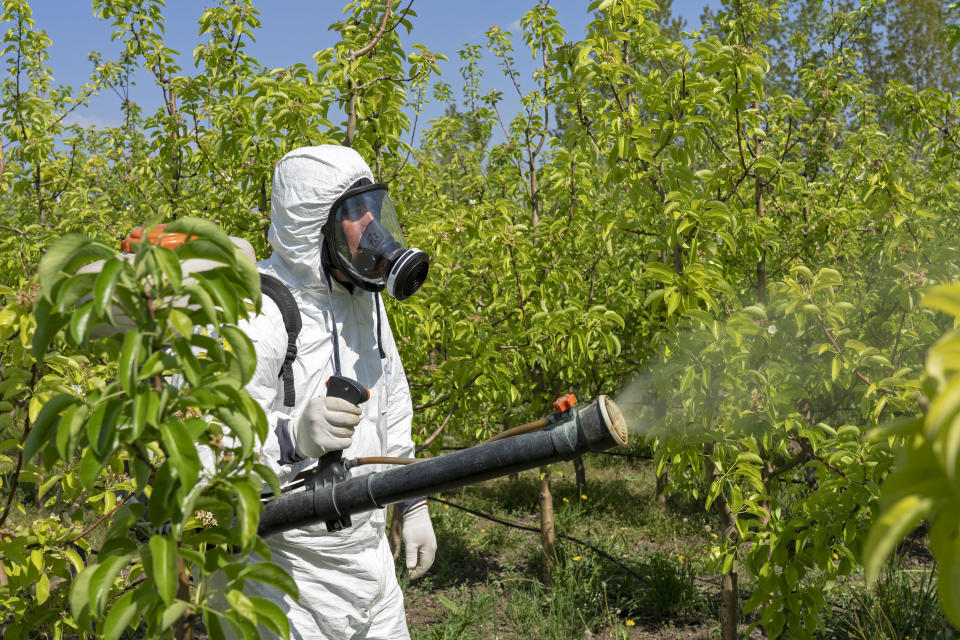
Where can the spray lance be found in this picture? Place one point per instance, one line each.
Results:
(328, 495)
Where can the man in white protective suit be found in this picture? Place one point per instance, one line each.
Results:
(336, 244)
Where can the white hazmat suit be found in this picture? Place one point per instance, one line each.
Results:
(348, 588)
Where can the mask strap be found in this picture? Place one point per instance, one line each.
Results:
(376, 297)
(333, 321)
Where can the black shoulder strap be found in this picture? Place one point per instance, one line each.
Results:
(280, 294)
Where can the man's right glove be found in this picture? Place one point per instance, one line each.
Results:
(326, 425)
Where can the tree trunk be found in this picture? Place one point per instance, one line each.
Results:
(663, 479)
(264, 207)
(38, 187)
(761, 213)
(396, 530)
(547, 534)
(729, 595)
(183, 628)
(581, 472)
(534, 191)
(729, 606)
(661, 495)
(351, 118)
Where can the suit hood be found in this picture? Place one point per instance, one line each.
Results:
(306, 182)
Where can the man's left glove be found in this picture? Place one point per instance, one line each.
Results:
(418, 540)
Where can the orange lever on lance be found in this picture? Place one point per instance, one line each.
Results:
(564, 402)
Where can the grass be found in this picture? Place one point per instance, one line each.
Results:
(486, 582)
(903, 606)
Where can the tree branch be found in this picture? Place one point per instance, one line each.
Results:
(99, 520)
(364, 50)
(15, 482)
(433, 436)
(14, 229)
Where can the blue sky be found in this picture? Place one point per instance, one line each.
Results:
(293, 30)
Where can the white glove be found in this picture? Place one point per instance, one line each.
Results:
(326, 425)
(418, 540)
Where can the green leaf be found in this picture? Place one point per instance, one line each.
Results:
(272, 616)
(106, 282)
(80, 322)
(129, 358)
(156, 364)
(943, 542)
(267, 475)
(205, 232)
(159, 507)
(659, 272)
(182, 451)
(90, 466)
(239, 425)
(242, 605)
(101, 582)
(895, 522)
(145, 409)
(242, 348)
(271, 574)
(46, 422)
(162, 567)
(49, 323)
(66, 254)
(80, 595)
(448, 603)
(248, 507)
(944, 298)
(42, 588)
(214, 628)
(121, 615)
(173, 613)
(180, 322)
(101, 427)
(188, 363)
(48, 484)
(170, 265)
(216, 282)
(198, 296)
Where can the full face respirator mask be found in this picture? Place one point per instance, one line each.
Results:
(364, 241)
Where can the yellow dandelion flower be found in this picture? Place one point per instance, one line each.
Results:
(680, 558)
(576, 558)
(631, 623)
(836, 557)
(483, 530)
(583, 496)
(566, 500)
(446, 506)
(713, 535)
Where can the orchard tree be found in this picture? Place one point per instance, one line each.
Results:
(97, 442)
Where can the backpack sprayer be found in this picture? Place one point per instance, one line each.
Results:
(328, 494)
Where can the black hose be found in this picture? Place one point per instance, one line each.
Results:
(524, 527)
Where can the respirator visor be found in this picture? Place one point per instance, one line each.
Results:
(367, 243)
